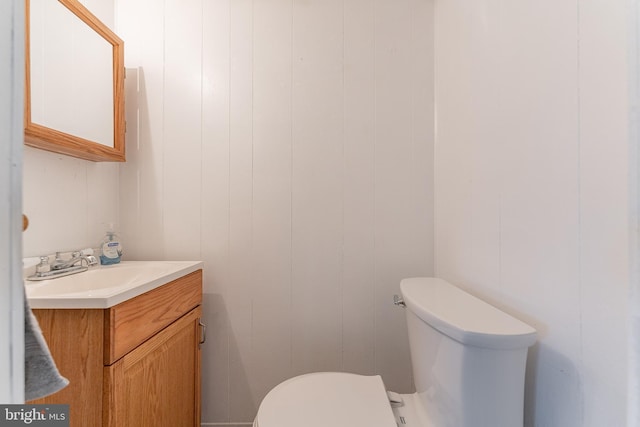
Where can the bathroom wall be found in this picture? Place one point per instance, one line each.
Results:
(69, 201)
(532, 190)
(288, 144)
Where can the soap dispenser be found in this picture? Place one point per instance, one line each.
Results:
(111, 247)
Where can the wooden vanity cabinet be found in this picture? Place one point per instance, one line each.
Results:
(135, 364)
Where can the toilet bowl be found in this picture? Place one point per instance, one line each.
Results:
(468, 361)
(327, 399)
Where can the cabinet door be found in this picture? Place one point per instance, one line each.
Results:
(158, 383)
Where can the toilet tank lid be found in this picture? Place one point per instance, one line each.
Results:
(462, 316)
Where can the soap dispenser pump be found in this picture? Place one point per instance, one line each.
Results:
(111, 247)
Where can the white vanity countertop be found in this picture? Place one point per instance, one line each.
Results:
(107, 285)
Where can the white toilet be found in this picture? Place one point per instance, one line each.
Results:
(468, 362)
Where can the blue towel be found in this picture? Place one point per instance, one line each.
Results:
(41, 376)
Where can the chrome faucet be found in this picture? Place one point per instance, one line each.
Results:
(63, 267)
(76, 257)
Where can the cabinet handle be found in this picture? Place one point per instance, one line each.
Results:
(203, 333)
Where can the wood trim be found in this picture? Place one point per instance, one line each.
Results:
(114, 382)
(198, 372)
(39, 136)
(49, 139)
(92, 21)
(132, 322)
(119, 120)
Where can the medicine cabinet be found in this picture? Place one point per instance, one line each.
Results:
(74, 82)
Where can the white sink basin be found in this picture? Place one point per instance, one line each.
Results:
(106, 286)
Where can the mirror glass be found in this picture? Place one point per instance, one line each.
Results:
(74, 100)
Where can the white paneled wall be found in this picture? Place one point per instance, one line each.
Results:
(532, 187)
(288, 144)
(69, 201)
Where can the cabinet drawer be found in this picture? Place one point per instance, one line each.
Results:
(132, 322)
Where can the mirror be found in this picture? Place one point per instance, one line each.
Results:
(74, 83)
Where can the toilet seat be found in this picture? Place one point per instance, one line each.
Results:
(327, 399)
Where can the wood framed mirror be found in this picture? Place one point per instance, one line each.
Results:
(74, 82)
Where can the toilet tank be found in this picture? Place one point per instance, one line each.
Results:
(468, 357)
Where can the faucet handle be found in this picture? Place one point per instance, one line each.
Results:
(91, 260)
(44, 265)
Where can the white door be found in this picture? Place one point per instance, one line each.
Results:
(11, 140)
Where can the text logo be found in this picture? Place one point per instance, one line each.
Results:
(34, 415)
